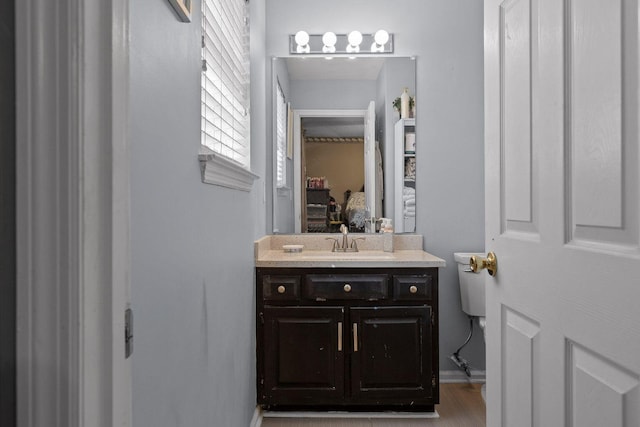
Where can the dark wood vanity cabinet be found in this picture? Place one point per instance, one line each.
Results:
(393, 359)
(301, 355)
(360, 338)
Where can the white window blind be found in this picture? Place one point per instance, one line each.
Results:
(225, 79)
(281, 137)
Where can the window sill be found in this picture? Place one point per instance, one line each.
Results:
(283, 191)
(217, 170)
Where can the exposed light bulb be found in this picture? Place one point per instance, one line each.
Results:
(355, 38)
(329, 39)
(381, 37)
(302, 38)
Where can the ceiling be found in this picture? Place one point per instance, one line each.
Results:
(339, 68)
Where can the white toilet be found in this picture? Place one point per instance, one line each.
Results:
(472, 288)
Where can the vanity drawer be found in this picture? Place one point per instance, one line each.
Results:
(280, 288)
(368, 287)
(412, 287)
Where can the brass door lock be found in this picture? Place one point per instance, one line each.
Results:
(490, 263)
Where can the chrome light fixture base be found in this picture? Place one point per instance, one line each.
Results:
(379, 43)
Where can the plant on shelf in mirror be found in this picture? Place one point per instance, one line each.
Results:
(412, 103)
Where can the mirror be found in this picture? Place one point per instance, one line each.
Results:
(322, 110)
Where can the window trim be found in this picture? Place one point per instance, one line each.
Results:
(281, 148)
(216, 168)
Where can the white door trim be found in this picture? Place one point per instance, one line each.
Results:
(72, 213)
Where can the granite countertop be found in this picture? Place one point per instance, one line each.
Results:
(317, 252)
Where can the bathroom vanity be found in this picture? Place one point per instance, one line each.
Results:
(347, 331)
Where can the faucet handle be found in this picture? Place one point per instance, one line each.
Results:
(354, 245)
(334, 246)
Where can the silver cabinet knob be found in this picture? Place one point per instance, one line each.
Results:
(413, 289)
(347, 288)
(281, 289)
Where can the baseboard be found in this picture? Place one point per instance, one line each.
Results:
(351, 415)
(460, 377)
(259, 414)
(256, 421)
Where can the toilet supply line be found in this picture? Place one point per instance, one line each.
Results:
(455, 357)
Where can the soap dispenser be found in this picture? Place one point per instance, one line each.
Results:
(387, 235)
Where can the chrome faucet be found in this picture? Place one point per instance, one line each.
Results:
(336, 247)
(345, 240)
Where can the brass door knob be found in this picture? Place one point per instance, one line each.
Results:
(413, 289)
(347, 288)
(281, 289)
(490, 263)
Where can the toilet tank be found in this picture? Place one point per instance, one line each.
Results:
(471, 285)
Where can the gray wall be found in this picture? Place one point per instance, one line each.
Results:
(446, 36)
(192, 244)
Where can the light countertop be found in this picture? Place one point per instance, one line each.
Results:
(317, 252)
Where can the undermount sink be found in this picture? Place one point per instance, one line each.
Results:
(362, 255)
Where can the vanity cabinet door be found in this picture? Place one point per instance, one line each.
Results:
(303, 355)
(391, 355)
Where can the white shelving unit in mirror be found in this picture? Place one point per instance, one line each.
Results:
(405, 176)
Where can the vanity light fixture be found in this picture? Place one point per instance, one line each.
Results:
(332, 44)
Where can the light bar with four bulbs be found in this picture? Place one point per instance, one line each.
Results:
(330, 43)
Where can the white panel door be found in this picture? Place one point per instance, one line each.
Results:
(562, 212)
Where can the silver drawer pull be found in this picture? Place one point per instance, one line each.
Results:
(281, 289)
(339, 336)
(355, 337)
(347, 287)
(413, 289)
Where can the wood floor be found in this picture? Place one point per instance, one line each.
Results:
(461, 405)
